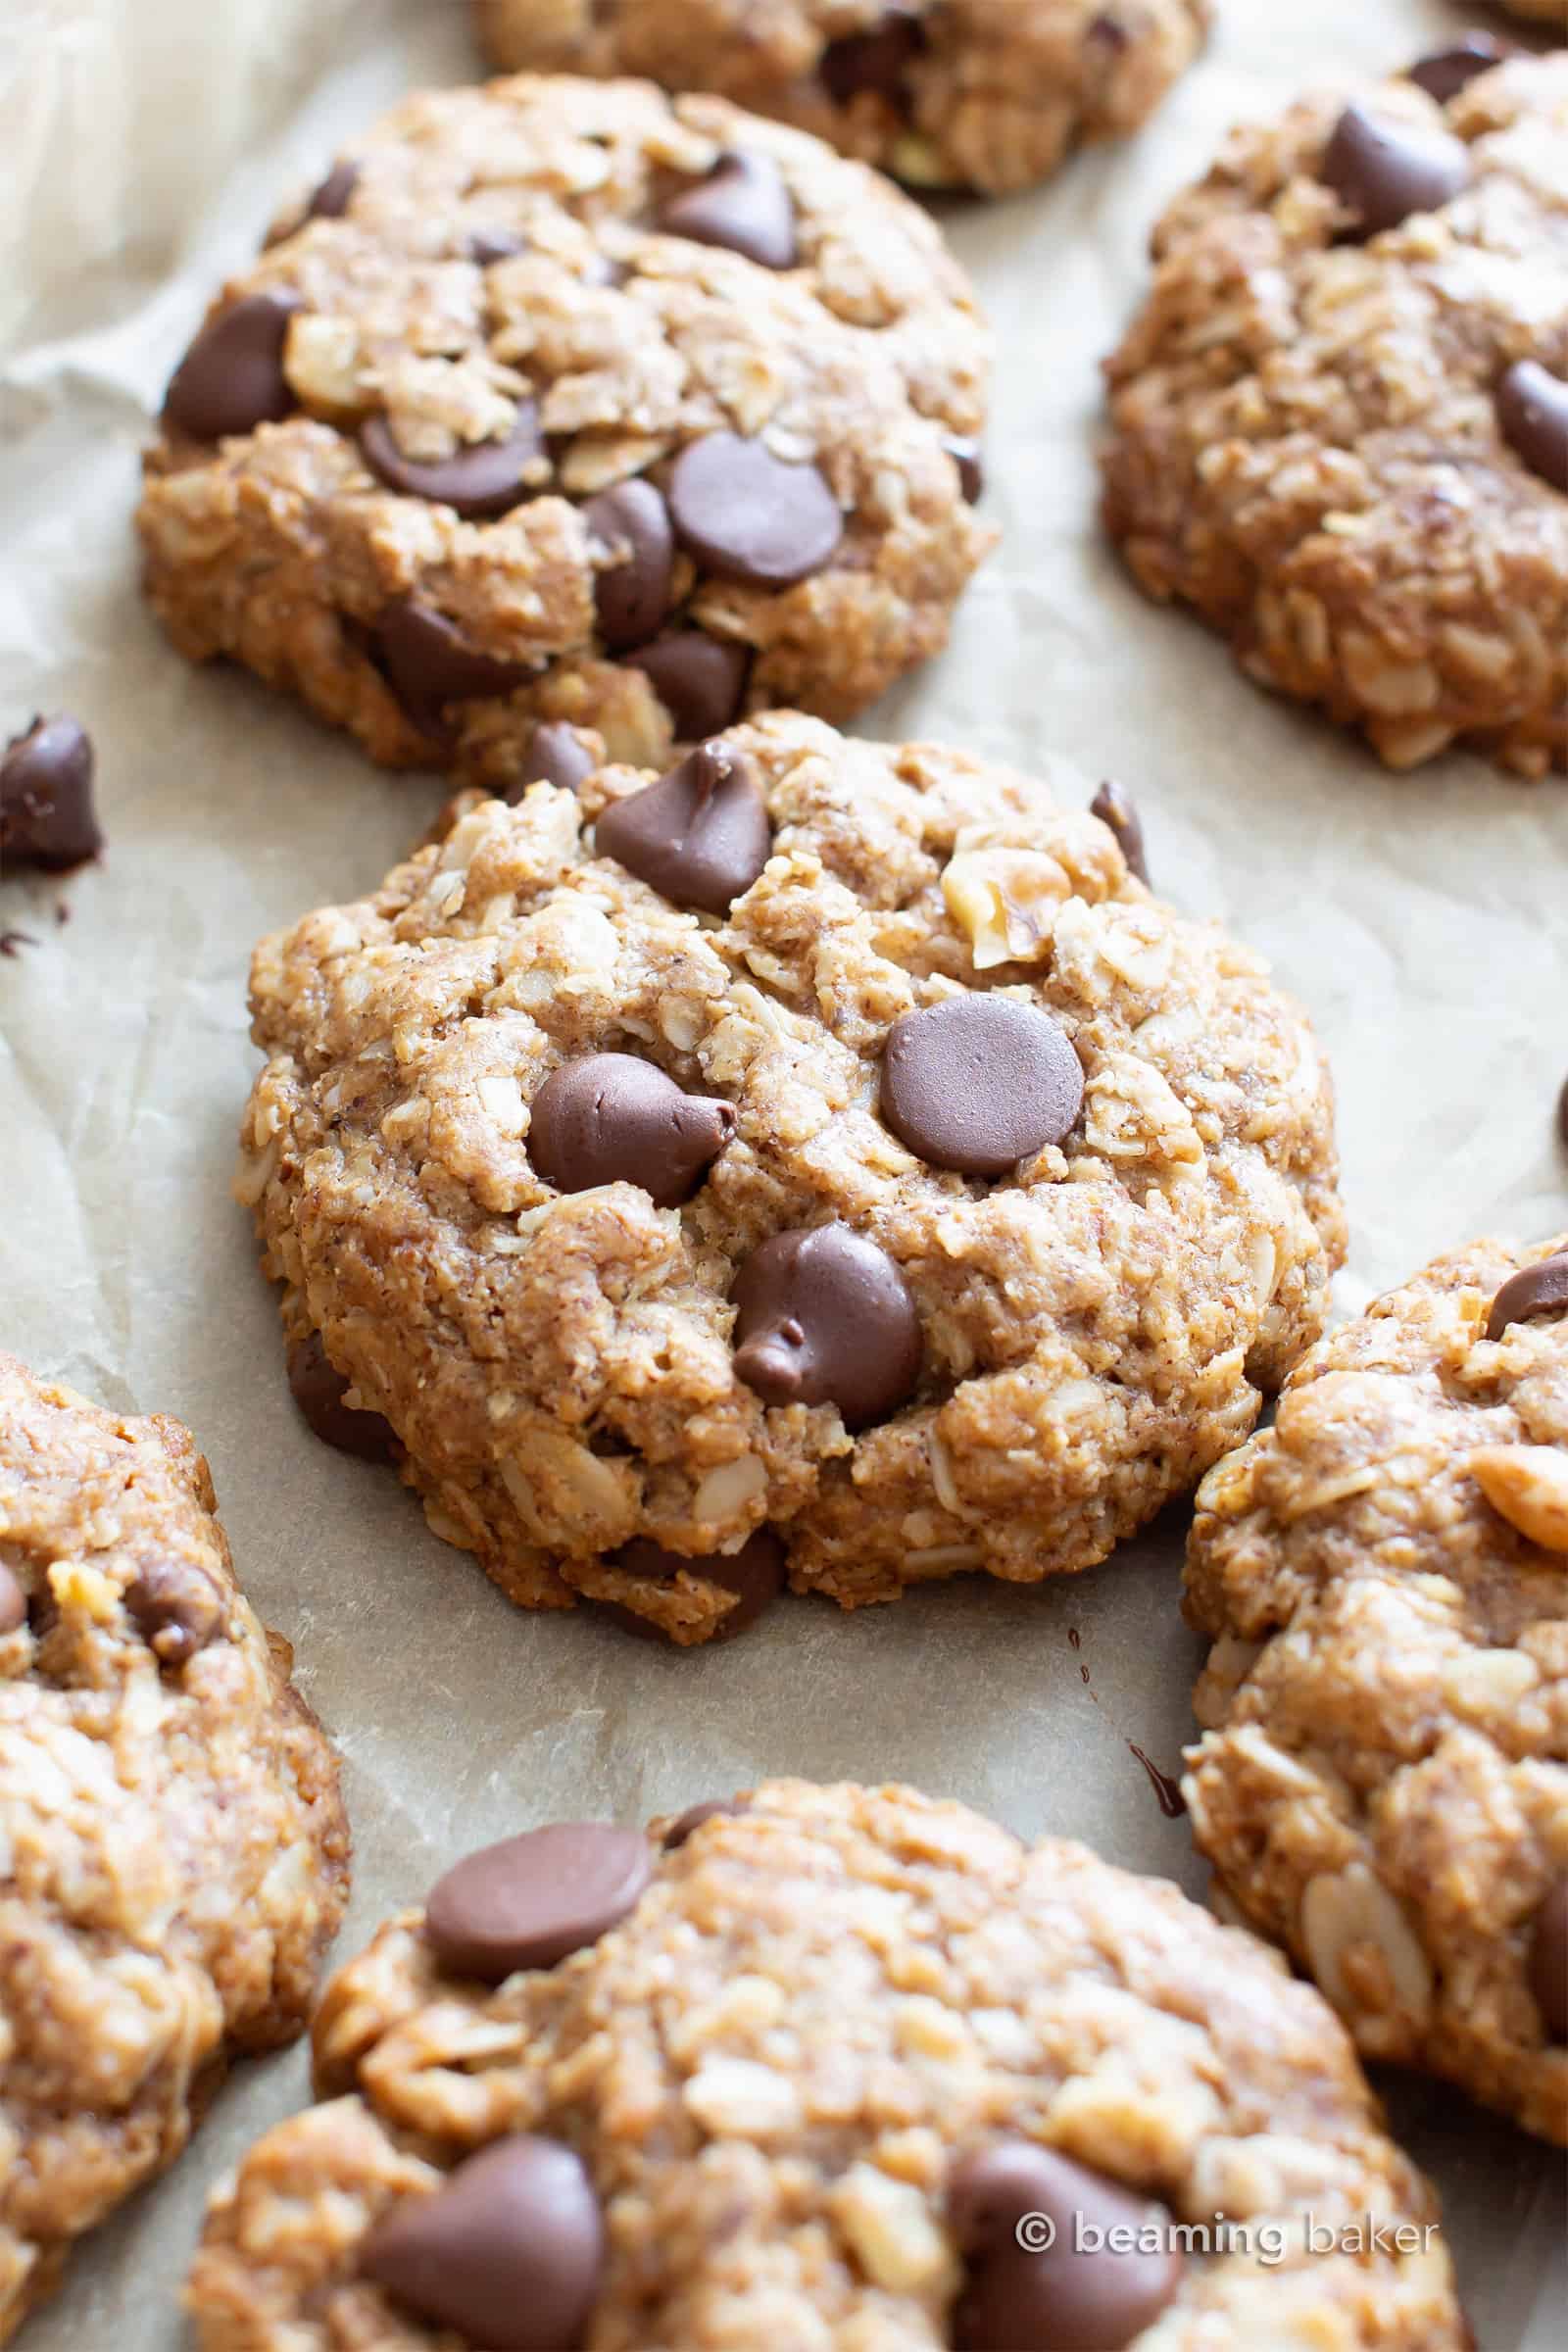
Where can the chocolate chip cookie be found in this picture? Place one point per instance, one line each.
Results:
(1340, 425)
(559, 405)
(175, 1854)
(820, 2067)
(1383, 1780)
(981, 94)
(824, 1161)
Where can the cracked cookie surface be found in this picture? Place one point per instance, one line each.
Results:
(1383, 1781)
(176, 1852)
(777, 2078)
(834, 1331)
(1340, 425)
(561, 402)
(983, 94)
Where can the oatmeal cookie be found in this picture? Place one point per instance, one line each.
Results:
(989, 95)
(826, 1156)
(176, 1853)
(1340, 425)
(1383, 1780)
(564, 404)
(789, 2072)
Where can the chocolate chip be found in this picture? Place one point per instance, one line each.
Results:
(609, 1118)
(332, 198)
(687, 1824)
(748, 517)
(318, 1390)
(556, 755)
(231, 380)
(825, 1318)
(965, 454)
(482, 479)
(47, 818)
(1065, 2298)
(874, 63)
(980, 1083)
(700, 835)
(1108, 33)
(1383, 170)
(755, 1575)
(1548, 1961)
(487, 245)
(177, 1608)
(1115, 806)
(1562, 1115)
(427, 663)
(744, 205)
(509, 2252)
(530, 1900)
(14, 1604)
(1540, 1290)
(1533, 412)
(700, 680)
(632, 591)
(1447, 71)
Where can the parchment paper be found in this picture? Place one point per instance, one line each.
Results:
(1421, 919)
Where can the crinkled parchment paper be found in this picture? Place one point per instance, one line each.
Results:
(1421, 919)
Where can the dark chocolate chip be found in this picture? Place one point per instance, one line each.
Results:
(825, 1318)
(700, 835)
(1108, 33)
(318, 1389)
(965, 454)
(231, 380)
(177, 1608)
(1540, 1290)
(1548, 1961)
(332, 198)
(980, 1083)
(686, 1825)
(482, 479)
(1069, 2297)
(1533, 412)
(509, 2252)
(744, 205)
(427, 663)
(1383, 170)
(632, 592)
(487, 245)
(700, 680)
(748, 517)
(531, 1900)
(556, 755)
(609, 1118)
(14, 1603)
(47, 818)
(1115, 806)
(1562, 1113)
(755, 1575)
(1447, 71)
(874, 63)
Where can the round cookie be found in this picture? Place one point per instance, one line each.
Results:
(989, 95)
(932, 1199)
(1340, 425)
(562, 404)
(176, 1853)
(1383, 1780)
(815, 2056)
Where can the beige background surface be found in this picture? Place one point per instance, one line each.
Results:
(1422, 919)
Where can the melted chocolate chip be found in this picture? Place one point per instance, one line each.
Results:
(980, 1083)
(177, 1608)
(1115, 806)
(744, 205)
(609, 1118)
(747, 516)
(427, 663)
(47, 818)
(965, 454)
(825, 1318)
(632, 591)
(755, 1575)
(13, 1605)
(509, 2252)
(1383, 170)
(875, 63)
(556, 755)
(700, 680)
(1533, 413)
(1548, 1961)
(1562, 1113)
(488, 245)
(1447, 71)
(531, 1900)
(332, 198)
(480, 481)
(700, 835)
(1063, 2298)
(320, 1391)
(231, 380)
(1540, 1290)
(686, 1825)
